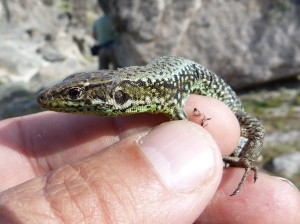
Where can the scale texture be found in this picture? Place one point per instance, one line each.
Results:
(162, 86)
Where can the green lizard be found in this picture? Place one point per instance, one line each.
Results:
(162, 86)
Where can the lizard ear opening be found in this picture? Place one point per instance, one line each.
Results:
(120, 97)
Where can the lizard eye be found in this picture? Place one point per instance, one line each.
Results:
(120, 97)
(74, 93)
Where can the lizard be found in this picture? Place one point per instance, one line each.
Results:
(161, 86)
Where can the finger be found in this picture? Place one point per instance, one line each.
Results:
(167, 176)
(32, 145)
(269, 200)
(223, 124)
(56, 132)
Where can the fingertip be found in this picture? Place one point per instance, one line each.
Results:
(222, 125)
(268, 200)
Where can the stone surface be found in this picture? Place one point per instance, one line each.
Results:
(18, 60)
(38, 42)
(287, 164)
(246, 42)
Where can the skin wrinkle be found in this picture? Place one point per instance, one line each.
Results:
(102, 205)
(133, 199)
(65, 189)
(125, 188)
(118, 198)
(104, 202)
(48, 165)
(51, 208)
(89, 184)
(73, 197)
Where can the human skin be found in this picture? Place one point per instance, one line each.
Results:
(63, 168)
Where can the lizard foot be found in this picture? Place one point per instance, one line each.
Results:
(234, 161)
(203, 119)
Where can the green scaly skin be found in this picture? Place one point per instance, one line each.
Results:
(162, 86)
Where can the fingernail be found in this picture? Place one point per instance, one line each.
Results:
(288, 182)
(183, 154)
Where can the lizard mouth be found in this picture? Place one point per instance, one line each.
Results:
(48, 102)
(43, 99)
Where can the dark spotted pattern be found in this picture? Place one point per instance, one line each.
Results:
(162, 86)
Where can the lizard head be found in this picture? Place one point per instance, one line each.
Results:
(105, 93)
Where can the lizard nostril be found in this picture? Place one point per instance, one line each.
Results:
(41, 98)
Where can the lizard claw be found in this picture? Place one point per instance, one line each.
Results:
(202, 118)
(244, 163)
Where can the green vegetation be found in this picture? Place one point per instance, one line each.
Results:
(278, 9)
(279, 110)
(278, 149)
(64, 5)
(296, 179)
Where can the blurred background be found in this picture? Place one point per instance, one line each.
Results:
(253, 45)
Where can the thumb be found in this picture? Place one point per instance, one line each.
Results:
(168, 175)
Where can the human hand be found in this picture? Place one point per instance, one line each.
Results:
(113, 170)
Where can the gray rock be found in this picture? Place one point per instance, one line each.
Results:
(287, 164)
(246, 42)
(51, 54)
(19, 61)
(280, 137)
(39, 46)
(40, 43)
